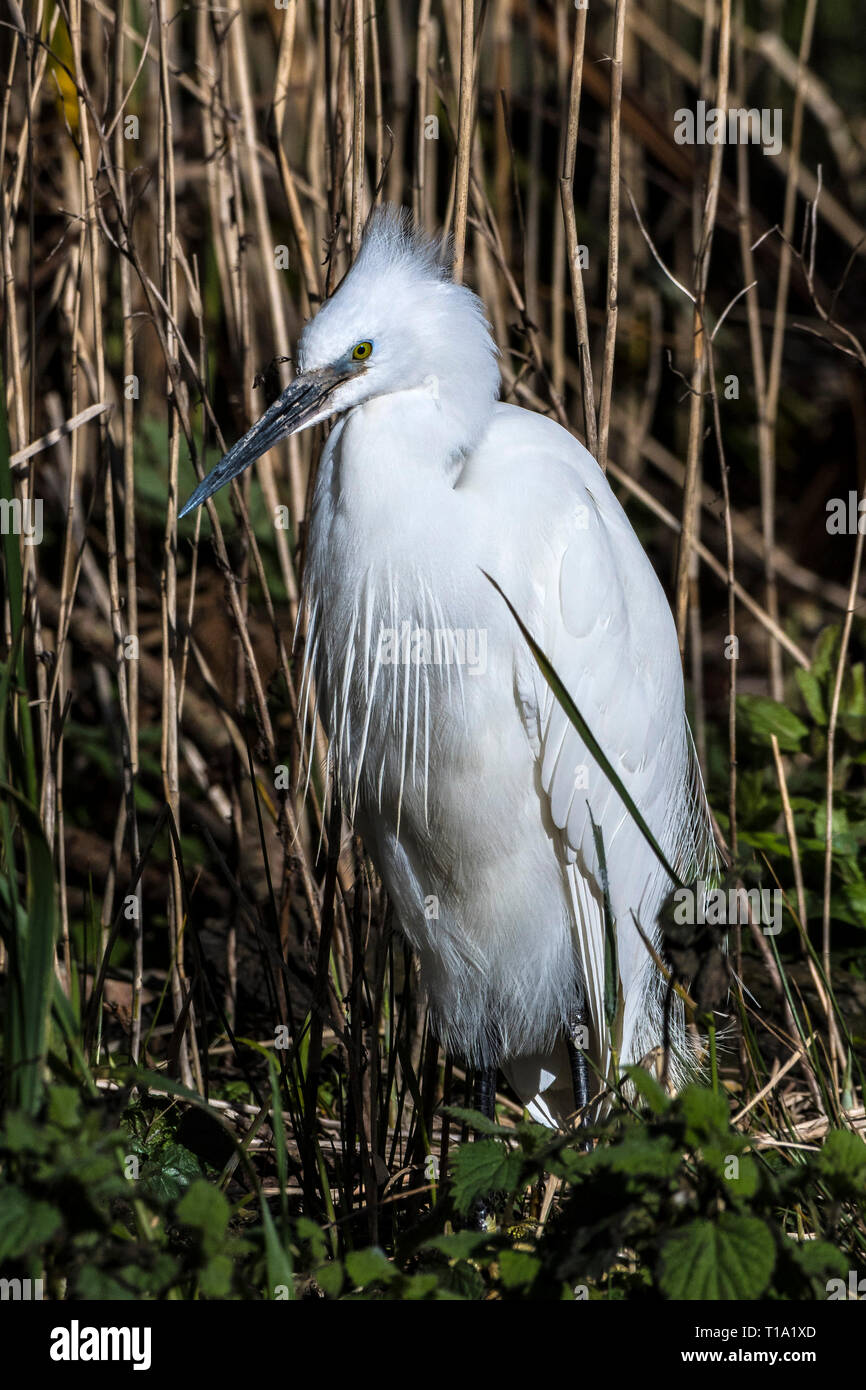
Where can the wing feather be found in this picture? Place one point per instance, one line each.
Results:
(604, 622)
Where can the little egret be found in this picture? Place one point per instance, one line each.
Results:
(475, 795)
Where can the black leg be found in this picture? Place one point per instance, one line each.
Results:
(484, 1098)
(483, 1213)
(576, 1040)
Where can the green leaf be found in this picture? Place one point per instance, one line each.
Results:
(746, 1183)
(706, 1114)
(483, 1167)
(611, 967)
(517, 1268)
(730, 1258)
(641, 1157)
(818, 1259)
(30, 971)
(810, 689)
(461, 1280)
(842, 1162)
(64, 1107)
(280, 1271)
(761, 717)
(97, 1285)
(458, 1245)
(24, 1135)
(370, 1266)
(215, 1279)
(206, 1209)
(853, 896)
(826, 652)
(25, 1224)
(168, 1173)
(420, 1286)
(844, 840)
(308, 1233)
(475, 1120)
(329, 1277)
(649, 1090)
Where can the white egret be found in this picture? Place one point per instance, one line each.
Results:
(473, 792)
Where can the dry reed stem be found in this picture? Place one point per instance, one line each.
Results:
(611, 302)
(690, 510)
(566, 186)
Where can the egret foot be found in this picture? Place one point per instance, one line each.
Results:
(577, 1042)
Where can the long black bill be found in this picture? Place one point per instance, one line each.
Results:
(303, 403)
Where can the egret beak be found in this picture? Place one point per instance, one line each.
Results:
(303, 403)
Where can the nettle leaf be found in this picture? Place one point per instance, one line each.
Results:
(25, 1224)
(483, 1167)
(741, 1176)
(737, 1171)
(842, 1162)
(460, 1281)
(420, 1286)
(639, 1156)
(206, 1209)
(730, 1258)
(761, 717)
(517, 1268)
(476, 1121)
(370, 1266)
(458, 1245)
(706, 1114)
(818, 1259)
(23, 1135)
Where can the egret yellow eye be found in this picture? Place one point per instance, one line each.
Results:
(361, 351)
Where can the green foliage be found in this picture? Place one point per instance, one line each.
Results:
(759, 718)
(73, 1211)
(732, 1257)
(802, 732)
(670, 1203)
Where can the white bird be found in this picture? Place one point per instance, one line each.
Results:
(473, 792)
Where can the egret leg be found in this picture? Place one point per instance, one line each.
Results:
(483, 1214)
(484, 1098)
(576, 1038)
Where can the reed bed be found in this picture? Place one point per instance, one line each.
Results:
(187, 931)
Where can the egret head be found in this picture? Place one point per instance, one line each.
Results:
(396, 324)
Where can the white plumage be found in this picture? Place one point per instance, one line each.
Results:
(474, 794)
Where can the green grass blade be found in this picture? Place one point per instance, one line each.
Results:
(576, 718)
